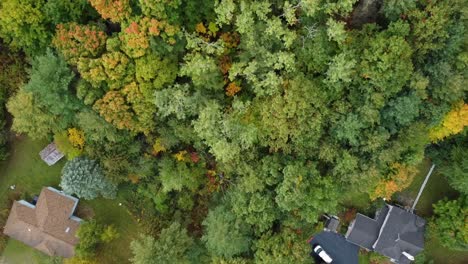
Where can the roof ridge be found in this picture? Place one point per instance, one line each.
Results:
(383, 225)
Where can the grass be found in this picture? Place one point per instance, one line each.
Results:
(29, 173)
(25, 169)
(17, 252)
(436, 189)
(110, 213)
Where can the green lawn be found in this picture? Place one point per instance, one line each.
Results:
(29, 173)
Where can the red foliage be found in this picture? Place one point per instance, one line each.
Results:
(75, 41)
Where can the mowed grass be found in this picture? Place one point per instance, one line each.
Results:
(29, 173)
(436, 189)
(109, 212)
(25, 169)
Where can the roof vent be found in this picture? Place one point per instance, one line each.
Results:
(410, 257)
(29, 229)
(67, 230)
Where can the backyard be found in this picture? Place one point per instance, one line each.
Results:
(436, 189)
(29, 174)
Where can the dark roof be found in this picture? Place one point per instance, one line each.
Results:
(49, 226)
(363, 231)
(332, 223)
(340, 250)
(401, 232)
(392, 232)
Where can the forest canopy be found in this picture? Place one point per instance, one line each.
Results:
(250, 116)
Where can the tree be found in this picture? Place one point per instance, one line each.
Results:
(92, 233)
(63, 11)
(49, 85)
(271, 248)
(305, 194)
(29, 118)
(115, 10)
(171, 246)
(24, 26)
(76, 41)
(65, 146)
(84, 178)
(176, 175)
(453, 123)
(454, 165)
(449, 223)
(224, 235)
(115, 110)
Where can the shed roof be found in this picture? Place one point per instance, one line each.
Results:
(49, 227)
(51, 154)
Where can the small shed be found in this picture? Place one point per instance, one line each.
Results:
(332, 223)
(51, 154)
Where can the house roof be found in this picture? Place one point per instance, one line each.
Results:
(392, 232)
(363, 231)
(49, 226)
(401, 232)
(51, 154)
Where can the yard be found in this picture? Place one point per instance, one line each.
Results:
(29, 173)
(437, 188)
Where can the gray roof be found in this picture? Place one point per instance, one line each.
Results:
(332, 223)
(51, 154)
(392, 232)
(402, 232)
(363, 231)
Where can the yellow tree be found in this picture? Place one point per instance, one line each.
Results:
(399, 179)
(453, 123)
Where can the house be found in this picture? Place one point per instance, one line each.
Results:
(394, 232)
(51, 154)
(48, 226)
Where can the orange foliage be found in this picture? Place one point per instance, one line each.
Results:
(115, 10)
(75, 41)
(114, 109)
(400, 179)
(453, 123)
(135, 37)
(231, 40)
(232, 89)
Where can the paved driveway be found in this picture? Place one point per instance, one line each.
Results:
(340, 250)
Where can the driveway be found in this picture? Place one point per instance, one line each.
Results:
(340, 250)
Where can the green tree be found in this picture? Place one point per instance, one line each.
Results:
(224, 235)
(270, 248)
(91, 234)
(29, 118)
(24, 26)
(49, 84)
(84, 178)
(455, 168)
(449, 223)
(171, 246)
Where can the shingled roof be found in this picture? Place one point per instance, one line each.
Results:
(394, 232)
(51, 154)
(49, 226)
